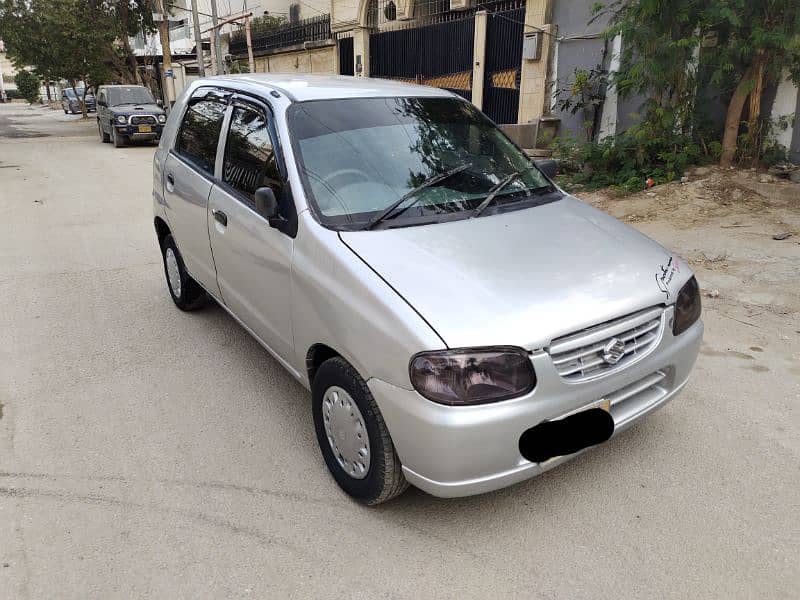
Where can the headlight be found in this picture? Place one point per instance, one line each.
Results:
(122, 119)
(687, 307)
(472, 376)
(162, 118)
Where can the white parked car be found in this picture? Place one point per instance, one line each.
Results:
(461, 322)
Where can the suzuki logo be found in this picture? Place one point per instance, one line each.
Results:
(613, 351)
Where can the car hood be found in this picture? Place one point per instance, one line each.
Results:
(522, 278)
(133, 109)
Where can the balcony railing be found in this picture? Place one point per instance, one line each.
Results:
(315, 29)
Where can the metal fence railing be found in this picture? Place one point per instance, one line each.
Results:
(314, 29)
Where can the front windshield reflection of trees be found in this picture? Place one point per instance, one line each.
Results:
(361, 155)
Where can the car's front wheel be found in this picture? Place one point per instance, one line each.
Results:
(352, 435)
(119, 139)
(185, 291)
(104, 137)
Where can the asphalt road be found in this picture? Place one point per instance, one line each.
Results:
(146, 452)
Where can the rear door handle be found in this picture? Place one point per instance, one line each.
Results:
(170, 179)
(221, 217)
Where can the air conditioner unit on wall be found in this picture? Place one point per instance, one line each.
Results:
(461, 4)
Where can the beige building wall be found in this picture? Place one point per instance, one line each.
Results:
(316, 60)
(533, 97)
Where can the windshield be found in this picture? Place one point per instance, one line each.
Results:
(71, 93)
(134, 94)
(360, 156)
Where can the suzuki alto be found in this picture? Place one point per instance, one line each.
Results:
(461, 322)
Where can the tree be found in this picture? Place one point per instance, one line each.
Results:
(76, 40)
(756, 43)
(753, 43)
(28, 85)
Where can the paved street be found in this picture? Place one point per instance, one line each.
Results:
(146, 452)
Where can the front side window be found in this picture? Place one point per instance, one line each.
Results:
(199, 134)
(440, 157)
(250, 161)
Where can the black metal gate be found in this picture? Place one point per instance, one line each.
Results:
(504, 31)
(439, 55)
(346, 56)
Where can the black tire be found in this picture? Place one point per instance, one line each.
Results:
(192, 296)
(119, 140)
(104, 137)
(384, 479)
(66, 112)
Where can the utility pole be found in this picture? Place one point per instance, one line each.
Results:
(201, 69)
(215, 39)
(166, 61)
(2, 85)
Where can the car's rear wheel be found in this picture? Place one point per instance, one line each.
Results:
(353, 436)
(104, 137)
(119, 139)
(185, 291)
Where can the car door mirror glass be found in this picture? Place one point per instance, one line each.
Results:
(266, 204)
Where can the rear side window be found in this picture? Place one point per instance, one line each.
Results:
(197, 140)
(250, 161)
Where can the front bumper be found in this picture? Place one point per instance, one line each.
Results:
(460, 451)
(132, 132)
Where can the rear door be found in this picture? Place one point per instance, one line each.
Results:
(253, 259)
(188, 178)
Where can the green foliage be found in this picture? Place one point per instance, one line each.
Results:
(73, 39)
(28, 85)
(650, 149)
(260, 25)
(584, 92)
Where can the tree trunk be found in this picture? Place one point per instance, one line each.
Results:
(734, 117)
(754, 109)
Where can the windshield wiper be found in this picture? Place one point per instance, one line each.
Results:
(499, 188)
(427, 183)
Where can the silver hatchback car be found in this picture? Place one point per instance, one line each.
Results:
(461, 322)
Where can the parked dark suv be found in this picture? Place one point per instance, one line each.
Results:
(128, 113)
(71, 103)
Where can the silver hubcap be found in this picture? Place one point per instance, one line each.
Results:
(346, 432)
(173, 273)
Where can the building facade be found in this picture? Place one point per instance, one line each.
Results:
(509, 57)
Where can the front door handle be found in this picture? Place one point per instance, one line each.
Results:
(221, 217)
(170, 179)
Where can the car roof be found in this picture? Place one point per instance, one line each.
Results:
(301, 87)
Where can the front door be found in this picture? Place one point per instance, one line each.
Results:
(253, 259)
(188, 178)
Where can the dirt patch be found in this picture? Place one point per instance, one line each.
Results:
(8, 129)
(713, 194)
(731, 225)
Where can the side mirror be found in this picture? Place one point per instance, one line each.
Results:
(101, 103)
(547, 166)
(160, 102)
(266, 204)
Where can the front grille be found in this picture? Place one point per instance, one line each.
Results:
(579, 356)
(143, 120)
(634, 399)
